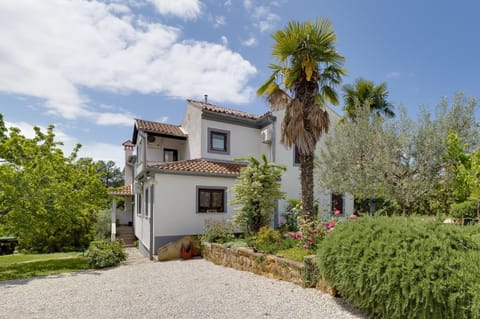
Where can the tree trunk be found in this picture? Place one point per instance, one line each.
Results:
(306, 179)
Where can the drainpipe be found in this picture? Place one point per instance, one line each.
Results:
(272, 150)
(152, 201)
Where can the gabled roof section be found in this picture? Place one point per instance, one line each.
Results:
(200, 167)
(125, 191)
(157, 128)
(224, 110)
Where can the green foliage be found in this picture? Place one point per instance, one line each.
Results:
(294, 210)
(267, 240)
(256, 190)
(104, 224)
(103, 254)
(407, 162)
(311, 274)
(48, 201)
(404, 268)
(111, 175)
(466, 209)
(23, 266)
(217, 231)
(294, 253)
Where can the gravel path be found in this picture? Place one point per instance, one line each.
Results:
(175, 289)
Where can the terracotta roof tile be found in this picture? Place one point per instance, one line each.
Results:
(223, 110)
(125, 191)
(162, 128)
(201, 166)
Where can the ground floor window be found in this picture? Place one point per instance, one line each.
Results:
(337, 202)
(211, 199)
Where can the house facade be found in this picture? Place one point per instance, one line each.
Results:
(182, 175)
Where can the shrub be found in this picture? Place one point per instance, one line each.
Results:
(294, 210)
(267, 240)
(103, 254)
(404, 268)
(467, 209)
(217, 231)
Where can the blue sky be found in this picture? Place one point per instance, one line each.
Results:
(90, 67)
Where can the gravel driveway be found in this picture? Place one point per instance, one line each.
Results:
(175, 289)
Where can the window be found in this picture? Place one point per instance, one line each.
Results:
(170, 155)
(337, 202)
(211, 200)
(296, 155)
(139, 204)
(218, 141)
(147, 206)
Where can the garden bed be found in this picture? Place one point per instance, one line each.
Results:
(271, 266)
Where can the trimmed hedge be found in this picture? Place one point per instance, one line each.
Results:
(404, 267)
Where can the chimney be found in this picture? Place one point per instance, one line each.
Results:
(128, 148)
(206, 98)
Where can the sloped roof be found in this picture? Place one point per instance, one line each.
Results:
(224, 110)
(125, 191)
(201, 166)
(162, 128)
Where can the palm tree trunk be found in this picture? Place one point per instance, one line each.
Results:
(306, 179)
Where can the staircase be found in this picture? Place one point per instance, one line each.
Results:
(127, 235)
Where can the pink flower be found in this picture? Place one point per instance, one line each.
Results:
(353, 216)
(298, 236)
(315, 232)
(331, 224)
(329, 230)
(337, 212)
(305, 246)
(310, 239)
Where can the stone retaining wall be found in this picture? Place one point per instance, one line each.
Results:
(270, 266)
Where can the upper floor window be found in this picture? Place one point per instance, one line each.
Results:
(170, 155)
(218, 141)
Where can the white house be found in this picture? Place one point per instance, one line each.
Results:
(182, 174)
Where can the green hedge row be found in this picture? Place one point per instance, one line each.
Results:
(404, 267)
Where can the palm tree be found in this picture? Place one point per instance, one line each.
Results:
(365, 93)
(308, 69)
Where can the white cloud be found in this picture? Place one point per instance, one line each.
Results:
(228, 3)
(250, 42)
(392, 75)
(97, 151)
(104, 152)
(186, 9)
(224, 40)
(163, 119)
(108, 48)
(219, 21)
(265, 19)
(247, 4)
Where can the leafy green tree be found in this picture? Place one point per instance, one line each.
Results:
(353, 157)
(256, 190)
(308, 69)
(112, 176)
(49, 201)
(402, 160)
(364, 93)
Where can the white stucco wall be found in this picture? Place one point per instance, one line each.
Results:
(155, 149)
(244, 141)
(176, 204)
(192, 125)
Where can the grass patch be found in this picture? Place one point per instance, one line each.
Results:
(25, 265)
(295, 253)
